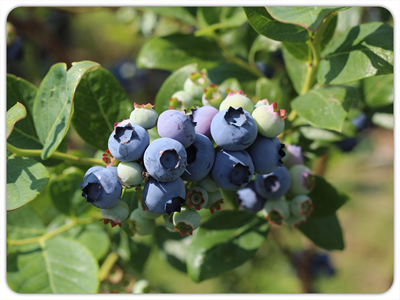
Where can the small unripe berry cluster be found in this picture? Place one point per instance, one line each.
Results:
(223, 144)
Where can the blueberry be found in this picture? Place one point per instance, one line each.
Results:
(176, 125)
(276, 211)
(196, 83)
(130, 173)
(200, 158)
(186, 221)
(215, 200)
(237, 100)
(269, 119)
(274, 185)
(213, 95)
(197, 198)
(303, 180)
(116, 214)
(128, 141)
(233, 129)
(266, 154)
(249, 199)
(144, 115)
(165, 159)
(232, 170)
(138, 224)
(163, 197)
(301, 205)
(101, 187)
(294, 156)
(181, 100)
(202, 117)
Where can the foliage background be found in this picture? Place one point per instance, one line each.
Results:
(113, 38)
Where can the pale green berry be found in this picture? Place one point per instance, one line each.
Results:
(196, 83)
(269, 119)
(213, 96)
(116, 214)
(301, 205)
(144, 115)
(208, 184)
(276, 211)
(303, 180)
(181, 100)
(196, 198)
(215, 200)
(237, 100)
(147, 214)
(186, 221)
(168, 222)
(141, 286)
(130, 173)
(138, 224)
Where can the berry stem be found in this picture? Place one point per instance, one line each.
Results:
(76, 160)
(107, 265)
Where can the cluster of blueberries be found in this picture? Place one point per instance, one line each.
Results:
(227, 143)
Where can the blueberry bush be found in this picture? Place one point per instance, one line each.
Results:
(231, 149)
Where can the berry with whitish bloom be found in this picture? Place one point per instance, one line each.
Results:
(128, 141)
(208, 184)
(301, 205)
(249, 199)
(181, 100)
(113, 169)
(269, 119)
(303, 180)
(215, 200)
(116, 214)
(144, 115)
(232, 170)
(276, 211)
(176, 125)
(138, 224)
(196, 198)
(130, 173)
(213, 95)
(237, 100)
(266, 154)
(186, 221)
(273, 185)
(233, 129)
(203, 117)
(163, 197)
(196, 83)
(200, 158)
(294, 156)
(165, 159)
(101, 187)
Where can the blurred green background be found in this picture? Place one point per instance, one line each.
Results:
(112, 37)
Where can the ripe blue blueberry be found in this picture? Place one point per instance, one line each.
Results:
(274, 185)
(200, 158)
(203, 116)
(101, 187)
(165, 159)
(176, 125)
(163, 197)
(232, 170)
(233, 129)
(266, 154)
(128, 141)
(249, 199)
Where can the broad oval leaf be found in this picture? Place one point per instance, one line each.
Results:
(327, 198)
(171, 85)
(26, 178)
(52, 109)
(177, 50)
(324, 232)
(59, 265)
(225, 241)
(14, 114)
(264, 24)
(100, 101)
(297, 69)
(268, 89)
(309, 17)
(363, 51)
(325, 107)
(378, 90)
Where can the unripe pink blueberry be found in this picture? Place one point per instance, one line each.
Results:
(269, 119)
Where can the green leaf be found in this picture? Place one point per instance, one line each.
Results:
(309, 17)
(66, 193)
(95, 239)
(264, 24)
(378, 90)
(54, 100)
(325, 107)
(100, 101)
(324, 232)
(171, 85)
(297, 69)
(26, 178)
(262, 43)
(24, 133)
(363, 51)
(299, 51)
(268, 89)
(231, 197)
(139, 253)
(175, 51)
(14, 114)
(59, 266)
(327, 198)
(173, 247)
(327, 31)
(226, 240)
(176, 12)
